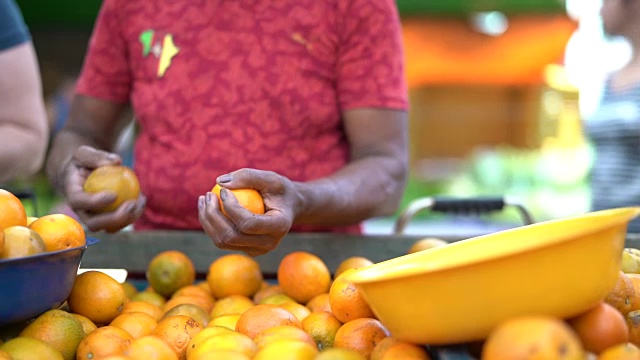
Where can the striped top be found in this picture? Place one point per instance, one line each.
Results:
(614, 130)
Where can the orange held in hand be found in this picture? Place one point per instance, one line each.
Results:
(116, 179)
(250, 199)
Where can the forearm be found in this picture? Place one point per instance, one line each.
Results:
(22, 154)
(92, 122)
(372, 186)
(64, 145)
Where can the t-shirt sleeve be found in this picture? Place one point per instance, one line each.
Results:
(13, 30)
(371, 56)
(105, 73)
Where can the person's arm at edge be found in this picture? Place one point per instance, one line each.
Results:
(91, 122)
(23, 122)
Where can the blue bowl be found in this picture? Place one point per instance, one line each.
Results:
(35, 284)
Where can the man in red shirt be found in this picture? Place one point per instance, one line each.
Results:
(306, 97)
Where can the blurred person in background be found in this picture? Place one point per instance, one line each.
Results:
(307, 98)
(23, 120)
(614, 128)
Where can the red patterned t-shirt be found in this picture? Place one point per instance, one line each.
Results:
(219, 85)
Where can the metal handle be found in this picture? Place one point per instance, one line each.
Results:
(467, 206)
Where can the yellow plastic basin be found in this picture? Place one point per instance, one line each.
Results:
(460, 292)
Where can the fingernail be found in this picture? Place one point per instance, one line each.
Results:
(200, 202)
(208, 197)
(224, 178)
(112, 157)
(223, 194)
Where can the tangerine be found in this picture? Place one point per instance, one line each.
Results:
(303, 276)
(59, 232)
(234, 274)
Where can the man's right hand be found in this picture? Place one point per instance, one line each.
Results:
(84, 160)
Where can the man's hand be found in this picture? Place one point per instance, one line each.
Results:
(243, 230)
(86, 205)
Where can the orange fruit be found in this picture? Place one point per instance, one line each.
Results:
(12, 211)
(204, 334)
(229, 321)
(31, 219)
(322, 326)
(150, 348)
(59, 329)
(361, 335)
(261, 317)
(150, 297)
(26, 348)
(129, 289)
(287, 350)
(205, 303)
(232, 304)
(1, 241)
(205, 286)
(635, 281)
(193, 290)
(103, 342)
(97, 296)
(87, 325)
(277, 299)
(633, 323)
(20, 241)
(426, 244)
(138, 324)
(303, 275)
(234, 274)
(391, 348)
(191, 310)
(623, 296)
(283, 332)
(177, 331)
(215, 354)
(116, 357)
(600, 328)
(265, 292)
(145, 307)
(59, 232)
(320, 303)
(353, 262)
(116, 179)
(346, 300)
(225, 341)
(626, 351)
(169, 271)
(339, 354)
(299, 310)
(250, 199)
(533, 337)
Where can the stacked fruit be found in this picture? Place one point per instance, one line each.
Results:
(22, 236)
(233, 314)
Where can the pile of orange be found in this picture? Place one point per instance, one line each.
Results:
(311, 313)
(22, 236)
(234, 314)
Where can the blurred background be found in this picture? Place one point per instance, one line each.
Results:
(498, 92)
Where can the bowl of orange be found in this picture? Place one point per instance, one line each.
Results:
(34, 284)
(460, 292)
